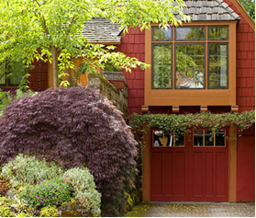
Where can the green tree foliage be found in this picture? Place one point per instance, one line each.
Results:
(51, 29)
(249, 6)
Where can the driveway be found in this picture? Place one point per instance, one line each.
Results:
(186, 209)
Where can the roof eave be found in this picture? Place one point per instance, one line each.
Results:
(244, 13)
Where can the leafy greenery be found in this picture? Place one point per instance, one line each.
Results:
(47, 193)
(85, 193)
(49, 212)
(52, 30)
(183, 122)
(249, 6)
(29, 170)
(5, 204)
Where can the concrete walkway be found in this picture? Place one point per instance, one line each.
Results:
(187, 209)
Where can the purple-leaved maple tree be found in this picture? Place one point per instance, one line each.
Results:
(74, 127)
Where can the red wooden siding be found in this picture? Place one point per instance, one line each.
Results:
(246, 102)
(246, 166)
(245, 63)
(133, 45)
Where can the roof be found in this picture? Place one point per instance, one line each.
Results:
(208, 10)
(101, 30)
(115, 76)
(104, 31)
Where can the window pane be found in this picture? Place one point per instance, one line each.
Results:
(218, 66)
(220, 138)
(209, 138)
(190, 66)
(198, 137)
(162, 34)
(162, 66)
(218, 33)
(179, 138)
(190, 33)
(162, 139)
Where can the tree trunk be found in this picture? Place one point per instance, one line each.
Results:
(55, 69)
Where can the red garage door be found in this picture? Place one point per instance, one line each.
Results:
(192, 167)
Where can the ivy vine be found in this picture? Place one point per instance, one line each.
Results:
(184, 122)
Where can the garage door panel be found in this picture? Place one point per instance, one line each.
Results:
(168, 174)
(197, 174)
(221, 173)
(180, 174)
(209, 174)
(156, 177)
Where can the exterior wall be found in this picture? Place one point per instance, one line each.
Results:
(245, 62)
(133, 45)
(246, 166)
(246, 102)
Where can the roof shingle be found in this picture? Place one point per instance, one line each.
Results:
(102, 30)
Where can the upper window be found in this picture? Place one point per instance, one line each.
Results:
(190, 33)
(218, 33)
(181, 54)
(162, 34)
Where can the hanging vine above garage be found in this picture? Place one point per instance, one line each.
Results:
(183, 122)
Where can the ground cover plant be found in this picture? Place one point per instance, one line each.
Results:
(74, 127)
(41, 197)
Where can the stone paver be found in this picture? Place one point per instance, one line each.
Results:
(187, 209)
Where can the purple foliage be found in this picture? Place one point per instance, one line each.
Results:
(74, 126)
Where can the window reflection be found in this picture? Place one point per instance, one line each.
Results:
(220, 138)
(209, 138)
(164, 34)
(218, 33)
(168, 139)
(198, 138)
(218, 66)
(190, 33)
(162, 66)
(190, 66)
(179, 138)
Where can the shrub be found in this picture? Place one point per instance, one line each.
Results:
(49, 212)
(84, 188)
(74, 126)
(5, 212)
(47, 193)
(4, 186)
(29, 170)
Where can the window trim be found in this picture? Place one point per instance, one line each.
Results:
(206, 43)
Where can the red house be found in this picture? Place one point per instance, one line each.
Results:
(205, 65)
